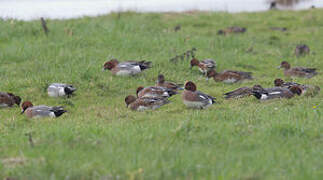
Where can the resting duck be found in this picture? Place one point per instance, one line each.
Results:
(229, 30)
(229, 76)
(306, 90)
(204, 66)
(59, 89)
(238, 93)
(155, 91)
(9, 99)
(145, 103)
(170, 85)
(196, 99)
(41, 111)
(276, 92)
(297, 71)
(302, 49)
(126, 68)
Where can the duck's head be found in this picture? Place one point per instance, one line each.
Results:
(190, 86)
(296, 90)
(284, 65)
(25, 105)
(129, 99)
(278, 82)
(194, 62)
(161, 78)
(110, 64)
(139, 89)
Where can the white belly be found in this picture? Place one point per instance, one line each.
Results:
(2, 105)
(230, 80)
(196, 104)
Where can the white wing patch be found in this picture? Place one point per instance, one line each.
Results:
(203, 97)
(276, 92)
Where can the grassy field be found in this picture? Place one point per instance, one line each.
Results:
(99, 138)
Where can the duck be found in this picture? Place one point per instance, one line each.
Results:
(233, 29)
(273, 93)
(239, 93)
(196, 99)
(60, 89)
(204, 66)
(229, 76)
(9, 99)
(307, 90)
(302, 49)
(40, 111)
(297, 71)
(166, 84)
(126, 68)
(155, 91)
(145, 103)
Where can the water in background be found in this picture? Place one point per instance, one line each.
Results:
(62, 9)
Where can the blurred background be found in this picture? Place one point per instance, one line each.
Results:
(61, 9)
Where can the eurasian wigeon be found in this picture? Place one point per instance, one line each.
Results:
(155, 91)
(239, 93)
(145, 103)
(41, 110)
(233, 29)
(9, 99)
(196, 99)
(204, 66)
(229, 76)
(272, 93)
(307, 90)
(59, 89)
(297, 71)
(166, 84)
(302, 49)
(126, 68)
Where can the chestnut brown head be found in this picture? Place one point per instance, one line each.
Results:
(211, 73)
(129, 99)
(296, 90)
(190, 86)
(139, 89)
(25, 105)
(194, 62)
(284, 65)
(161, 78)
(110, 64)
(278, 82)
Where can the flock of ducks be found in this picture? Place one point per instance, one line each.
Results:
(155, 96)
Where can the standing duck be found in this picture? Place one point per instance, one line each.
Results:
(170, 85)
(144, 103)
(229, 76)
(196, 99)
(59, 89)
(9, 99)
(204, 66)
(126, 68)
(32, 111)
(297, 71)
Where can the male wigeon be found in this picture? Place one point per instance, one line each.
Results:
(126, 68)
(307, 90)
(59, 89)
(229, 76)
(145, 103)
(204, 66)
(238, 93)
(233, 29)
(41, 111)
(155, 91)
(9, 99)
(302, 49)
(277, 92)
(297, 71)
(166, 84)
(196, 99)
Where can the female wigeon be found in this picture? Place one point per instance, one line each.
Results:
(145, 103)
(59, 89)
(204, 66)
(277, 92)
(229, 76)
(233, 29)
(297, 71)
(239, 93)
(9, 99)
(155, 91)
(41, 111)
(196, 99)
(126, 68)
(170, 85)
(307, 90)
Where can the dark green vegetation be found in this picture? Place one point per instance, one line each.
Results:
(100, 139)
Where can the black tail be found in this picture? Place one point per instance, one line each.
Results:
(144, 65)
(59, 112)
(69, 90)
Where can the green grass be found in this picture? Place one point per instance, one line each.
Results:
(99, 138)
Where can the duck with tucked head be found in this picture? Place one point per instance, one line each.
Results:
(60, 89)
(32, 111)
(239, 93)
(307, 90)
(126, 68)
(297, 71)
(155, 91)
(229, 76)
(145, 103)
(166, 84)
(196, 99)
(204, 66)
(273, 93)
(9, 99)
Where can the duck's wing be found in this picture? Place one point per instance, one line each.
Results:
(238, 93)
(204, 97)
(304, 69)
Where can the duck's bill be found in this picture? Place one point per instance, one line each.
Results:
(22, 111)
